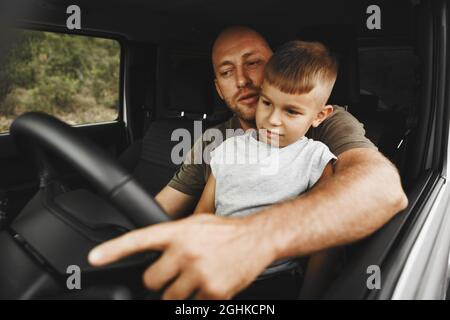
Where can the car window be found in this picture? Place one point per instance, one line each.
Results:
(75, 78)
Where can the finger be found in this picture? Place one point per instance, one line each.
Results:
(162, 271)
(182, 287)
(151, 238)
(211, 291)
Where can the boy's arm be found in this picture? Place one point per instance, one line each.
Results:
(327, 172)
(206, 203)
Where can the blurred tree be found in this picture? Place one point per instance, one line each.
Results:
(57, 73)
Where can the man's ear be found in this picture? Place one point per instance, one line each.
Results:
(218, 89)
(322, 115)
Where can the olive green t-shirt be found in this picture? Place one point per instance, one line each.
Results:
(340, 132)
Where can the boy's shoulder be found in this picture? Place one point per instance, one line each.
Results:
(313, 149)
(313, 144)
(316, 143)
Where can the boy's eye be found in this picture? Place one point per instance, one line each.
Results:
(293, 112)
(265, 102)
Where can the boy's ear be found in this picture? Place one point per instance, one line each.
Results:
(322, 115)
(218, 89)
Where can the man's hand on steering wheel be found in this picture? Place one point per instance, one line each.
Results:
(204, 256)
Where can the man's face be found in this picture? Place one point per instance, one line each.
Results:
(287, 117)
(239, 63)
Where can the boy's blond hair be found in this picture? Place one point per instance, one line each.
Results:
(298, 66)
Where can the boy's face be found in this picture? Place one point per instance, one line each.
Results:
(287, 117)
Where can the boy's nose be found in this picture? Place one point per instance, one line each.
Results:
(274, 118)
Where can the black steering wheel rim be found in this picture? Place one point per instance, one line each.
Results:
(39, 133)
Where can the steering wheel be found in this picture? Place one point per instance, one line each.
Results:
(40, 132)
(56, 230)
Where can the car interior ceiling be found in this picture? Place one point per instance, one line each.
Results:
(169, 49)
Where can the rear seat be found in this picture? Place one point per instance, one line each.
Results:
(342, 42)
(386, 129)
(187, 96)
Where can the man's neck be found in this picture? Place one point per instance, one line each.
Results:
(245, 125)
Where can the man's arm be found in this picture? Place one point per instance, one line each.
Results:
(217, 257)
(179, 197)
(206, 203)
(175, 203)
(327, 172)
(363, 193)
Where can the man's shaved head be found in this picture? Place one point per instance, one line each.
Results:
(234, 33)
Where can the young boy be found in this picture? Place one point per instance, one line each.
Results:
(276, 162)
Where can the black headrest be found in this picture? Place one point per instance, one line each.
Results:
(341, 40)
(189, 86)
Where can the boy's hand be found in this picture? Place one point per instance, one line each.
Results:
(202, 255)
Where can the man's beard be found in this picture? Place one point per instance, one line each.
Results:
(244, 111)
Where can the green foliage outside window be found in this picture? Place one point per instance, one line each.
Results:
(73, 77)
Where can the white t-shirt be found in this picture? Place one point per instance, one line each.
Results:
(251, 174)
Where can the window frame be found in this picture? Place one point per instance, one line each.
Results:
(121, 40)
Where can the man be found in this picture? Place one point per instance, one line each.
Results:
(212, 257)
